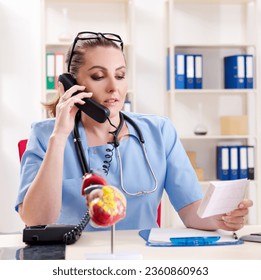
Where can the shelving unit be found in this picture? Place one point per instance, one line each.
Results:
(68, 17)
(215, 29)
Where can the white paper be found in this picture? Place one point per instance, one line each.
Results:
(222, 197)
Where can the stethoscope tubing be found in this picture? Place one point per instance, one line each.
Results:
(82, 159)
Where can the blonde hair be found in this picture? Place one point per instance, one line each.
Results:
(78, 60)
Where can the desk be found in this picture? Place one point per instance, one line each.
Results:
(130, 241)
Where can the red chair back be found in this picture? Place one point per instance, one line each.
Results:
(21, 147)
(159, 215)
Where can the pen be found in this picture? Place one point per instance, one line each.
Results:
(194, 241)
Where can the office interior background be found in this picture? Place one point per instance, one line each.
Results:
(21, 78)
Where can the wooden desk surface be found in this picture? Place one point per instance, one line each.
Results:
(129, 241)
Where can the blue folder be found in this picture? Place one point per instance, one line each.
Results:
(180, 71)
(242, 162)
(249, 69)
(146, 232)
(222, 162)
(234, 70)
(190, 71)
(233, 163)
(198, 71)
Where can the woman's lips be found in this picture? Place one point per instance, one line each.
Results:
(111, 101)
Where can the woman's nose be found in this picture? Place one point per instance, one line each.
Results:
(111, 85)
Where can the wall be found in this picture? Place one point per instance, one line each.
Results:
(19, 95)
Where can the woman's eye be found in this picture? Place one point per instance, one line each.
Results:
(97, 78)
(120, 77)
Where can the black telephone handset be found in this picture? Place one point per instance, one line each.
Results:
(93, 109)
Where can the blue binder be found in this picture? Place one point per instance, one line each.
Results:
(234, 71)
(222, 162)
(249, 80)
(251, 162)
(233, 162)
(242, 162)
(179, 71)
(198, 71)
(189, 66)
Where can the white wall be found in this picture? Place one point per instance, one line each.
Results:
(19, 95)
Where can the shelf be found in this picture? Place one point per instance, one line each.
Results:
(213, 46)
(223, 2)
(214, 91)
(216, 137)
(86, 1)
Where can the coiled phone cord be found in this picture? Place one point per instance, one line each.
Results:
(73, 235)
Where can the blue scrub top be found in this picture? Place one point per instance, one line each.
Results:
(166, 155)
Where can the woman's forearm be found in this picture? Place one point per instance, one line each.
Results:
(42, 202)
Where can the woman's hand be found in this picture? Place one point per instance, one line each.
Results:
(66, 109)
(235, 219)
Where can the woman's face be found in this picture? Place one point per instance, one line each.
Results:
(104, 74)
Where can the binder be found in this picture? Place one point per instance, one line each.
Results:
(179, 71)
(251, 162)
(242, 162)
(189, 66)
(222, 162)
(50, 63)
(234, 71)
(249, 71)
(198, 69)
(233, 163)
(59, 66)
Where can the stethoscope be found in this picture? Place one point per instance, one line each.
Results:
(83, 162)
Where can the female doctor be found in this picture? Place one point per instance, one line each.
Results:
(51, 173)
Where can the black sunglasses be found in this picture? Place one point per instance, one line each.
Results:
(86, 35)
